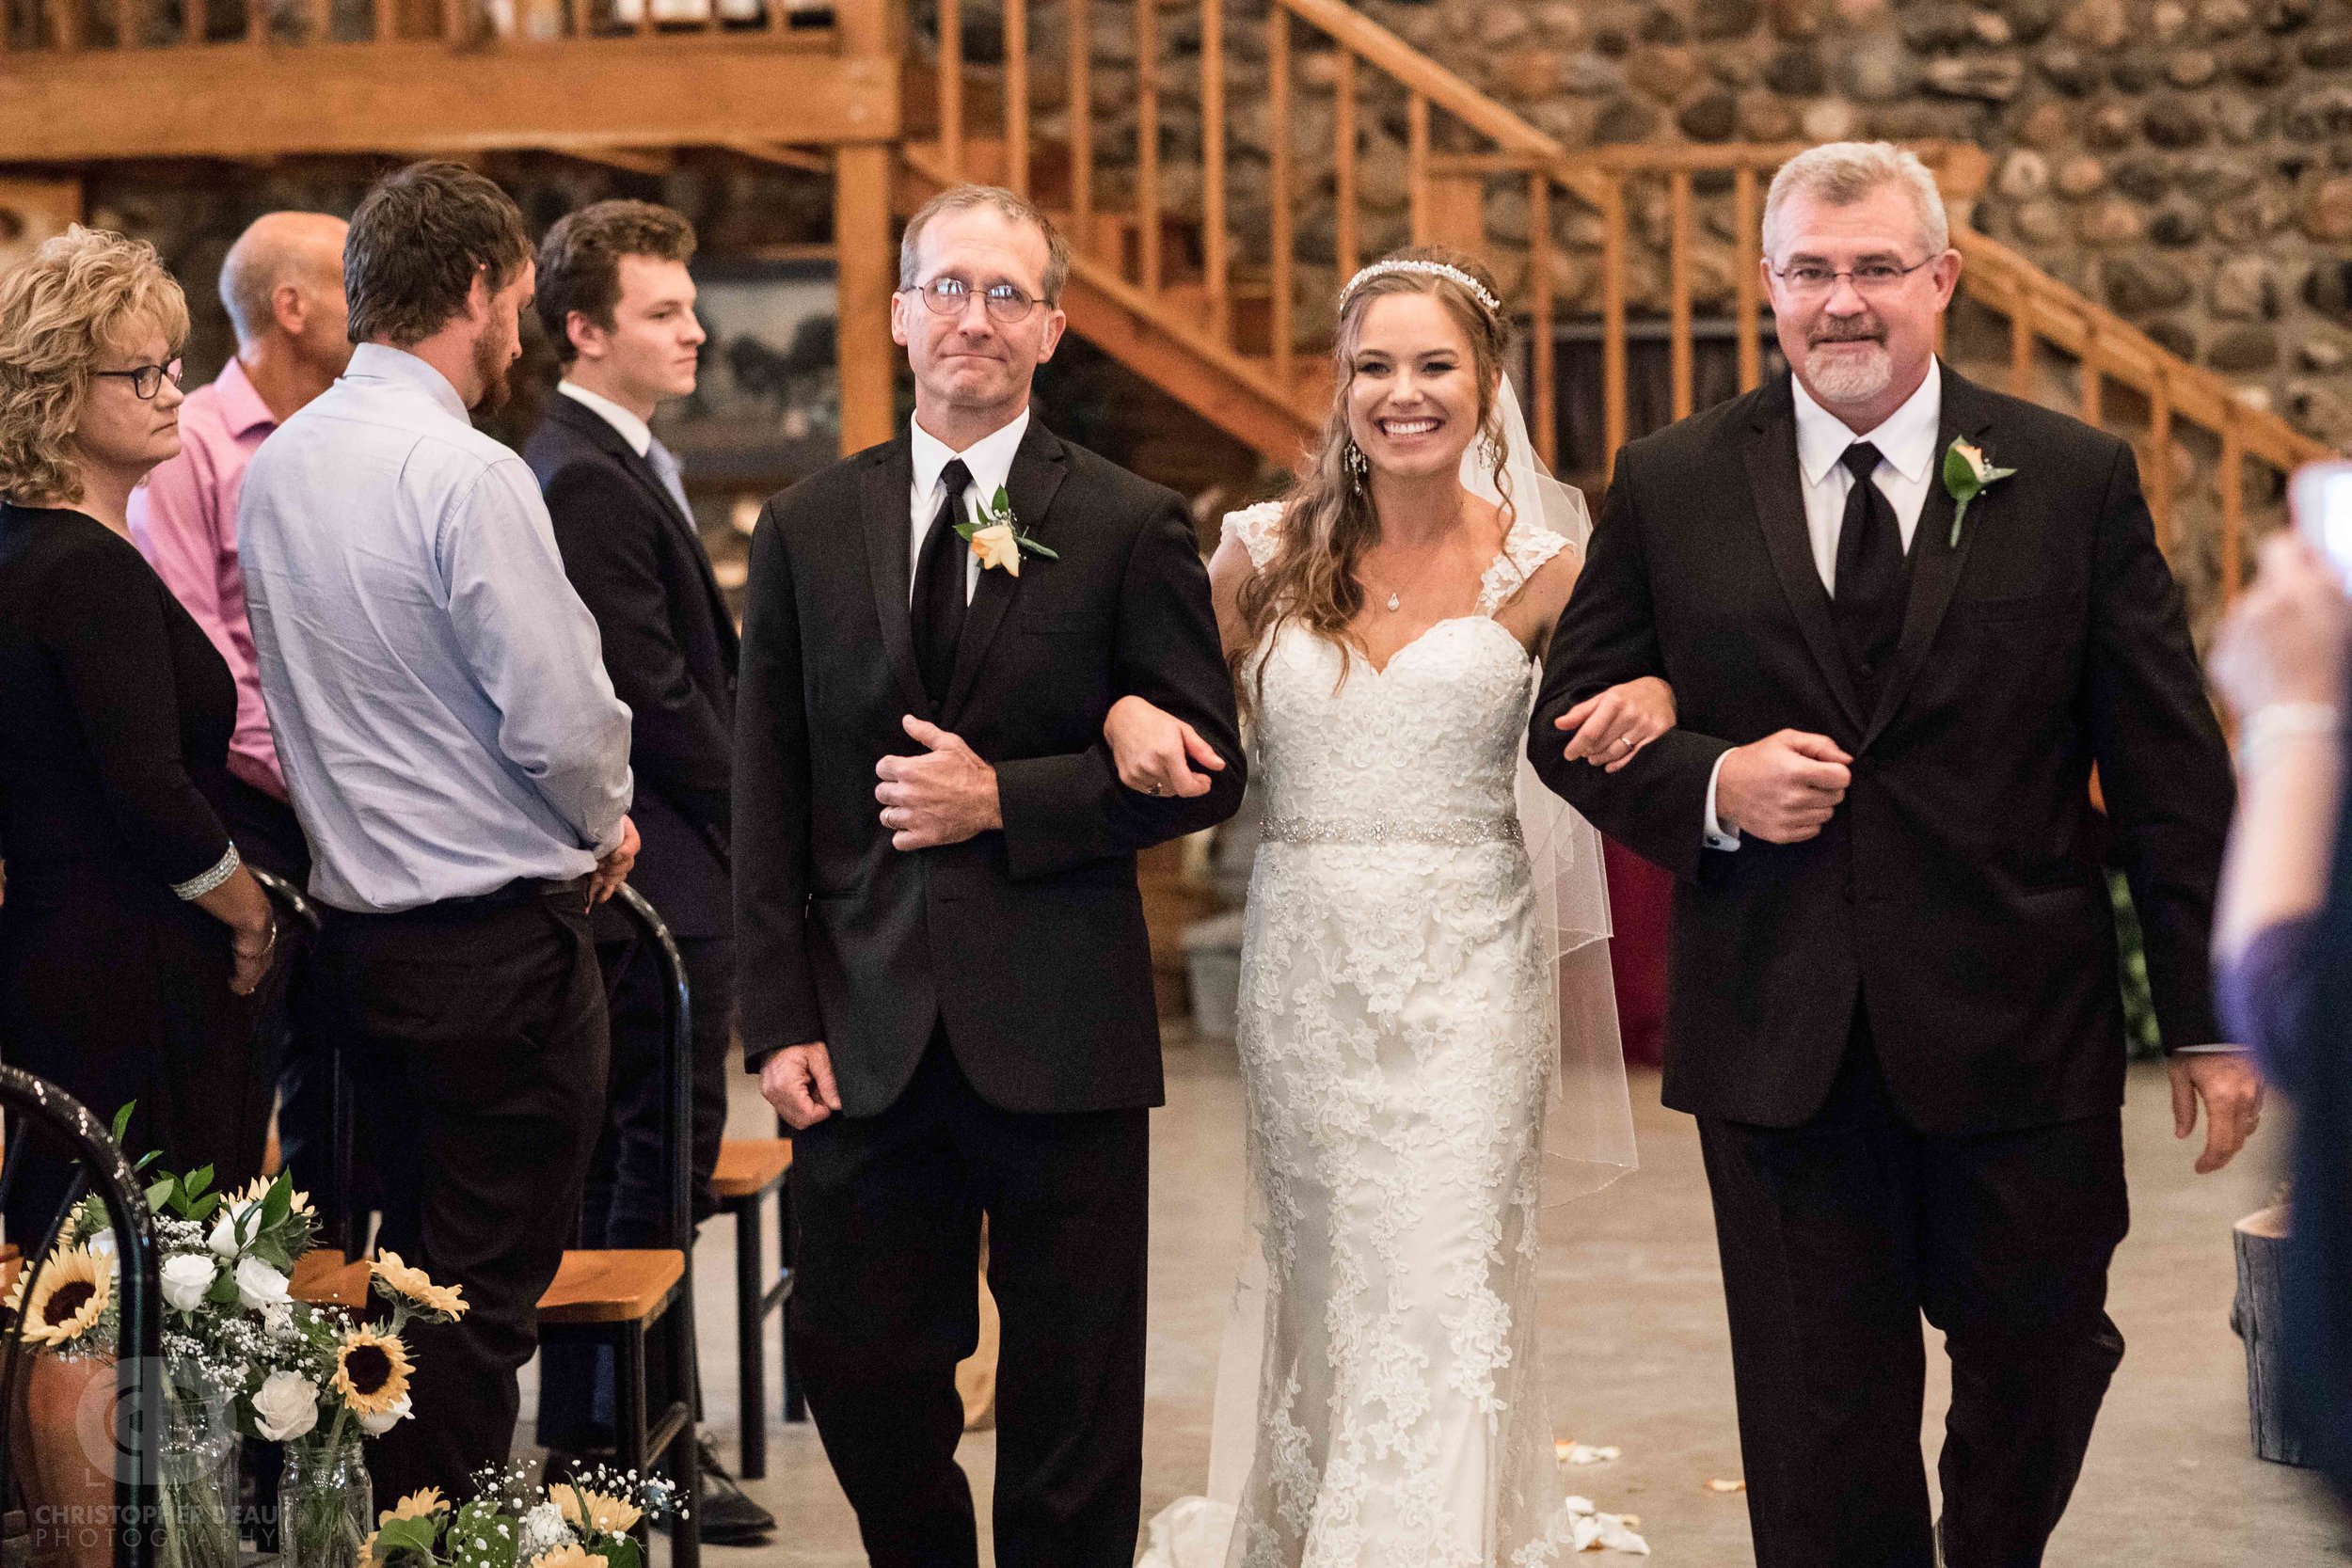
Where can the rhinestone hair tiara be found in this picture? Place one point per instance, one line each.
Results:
(1434, 269)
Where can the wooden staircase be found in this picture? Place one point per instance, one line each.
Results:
(1219, 165)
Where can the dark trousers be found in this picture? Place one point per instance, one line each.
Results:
(295, 1030)
(1835, 1236)
(888, 1211)
(627, 1195)
(475, 1037)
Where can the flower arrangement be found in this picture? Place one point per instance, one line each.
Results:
(583, 1522)
(239, 1350)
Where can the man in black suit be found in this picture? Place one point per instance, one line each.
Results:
(618, 303)
(1894, 1005)
(947, 984)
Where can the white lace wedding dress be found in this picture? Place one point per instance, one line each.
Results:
(1398, 1033)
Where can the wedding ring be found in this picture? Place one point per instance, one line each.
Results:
(1626, 740)
(1158, 789)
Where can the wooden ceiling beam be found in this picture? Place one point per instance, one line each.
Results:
(628, 160)
(807, 160)
(613, 96)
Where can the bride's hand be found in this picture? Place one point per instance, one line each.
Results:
(1152, 748)
(1610, 729)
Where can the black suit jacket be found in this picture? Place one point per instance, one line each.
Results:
(1029, 941)
(669, 646)
(1957, 892)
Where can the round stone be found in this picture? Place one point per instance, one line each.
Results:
(2079, 175)
(1990, 78)
(2285, 16)
(2141, 285)
(1530, 73)
(2326, 210)
(2111, 126)
(2243, 288)
(1830, 119)
(1624, 122)
(2167, 21)
(2218, 176)
(2254, 217)
(2141, 178)
(2024, 175)
(1766, 118)
(2178, 227)
(2327, 289)
(1860, 16)
(2175, 122)
(2242, 118)
(2040, 222)
(1589, 75)
(2068, 70)
(1991, 29)
(1664, 73)
(2191, 68)
(2322, 353)
(2224, 18)
(1727, 19)
(2243, 350)
(2030, 21)
(1661, 25)
(2133, 72)
(1797, 73)
(1878, 71)
(2260, 63)
(1794, 19)
(2098, 23)
(2328, 51)
(2175, 338)
(1711, 117)
(1932, 29)
(1503, 26)
(1733, 66)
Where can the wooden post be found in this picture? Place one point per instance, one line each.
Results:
(951, 88)
(1213, 254)
(1417, 165)
(1613, 346)
(2158, 482)
(1017, 96)
(2020, 346)
(2093, 384)
(1148, 139)
(1082, 119)
(1748, 253)
(866, 275)
(1344, 160)
(1679, 242)
(1542, 369)
(2233, 506)
(2258, 1316)
(1282, 240)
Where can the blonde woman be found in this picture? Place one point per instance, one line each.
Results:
(1424, 986)
(131, 936)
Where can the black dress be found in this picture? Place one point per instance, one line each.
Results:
(116, 712)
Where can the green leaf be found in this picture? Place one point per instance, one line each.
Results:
(619, 1551)
(223, 1290)
(159, 1197)
(202, 1208)
(411, 1535)
(276, 1203)
(198, 1180)
(122, 1119)
(268, 1250)
(1035, 548)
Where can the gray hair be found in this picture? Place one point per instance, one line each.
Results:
(1007, 204)
(1843, 173)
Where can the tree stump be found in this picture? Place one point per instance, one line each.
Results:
(2258, 1316)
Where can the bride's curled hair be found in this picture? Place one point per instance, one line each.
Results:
(1327, 519)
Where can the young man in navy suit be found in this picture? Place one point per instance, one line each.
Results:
(618, 303)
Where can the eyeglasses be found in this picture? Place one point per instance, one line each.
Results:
(147, 380)
(1809, 280)
(1005, 302)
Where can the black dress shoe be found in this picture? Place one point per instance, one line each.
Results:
(729, 1518)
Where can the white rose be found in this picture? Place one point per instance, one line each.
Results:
(278, 1321)
(259, 1286)
(187, 1278)
(285, 1406)
(101, 1245)
(225, 1240)
(376, 1426)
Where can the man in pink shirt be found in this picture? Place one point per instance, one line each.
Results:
(282, 284)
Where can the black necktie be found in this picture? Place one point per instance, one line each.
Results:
(939, 587)
(1869, 592)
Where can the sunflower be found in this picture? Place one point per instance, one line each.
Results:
(595, 1512)
(72, 1296)
(372, 1372)
(416, 1504)
(258, 1189)
(417, 1287)
(569, 1555)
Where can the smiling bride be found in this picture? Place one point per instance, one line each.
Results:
(1425, 1008)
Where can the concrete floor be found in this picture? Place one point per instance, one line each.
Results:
(1637, 1355)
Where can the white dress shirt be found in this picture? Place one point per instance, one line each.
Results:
(1907, 467)
(990, 460)
(636, 432)
(437, 688)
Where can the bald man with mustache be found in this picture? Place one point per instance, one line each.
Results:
(283, 285)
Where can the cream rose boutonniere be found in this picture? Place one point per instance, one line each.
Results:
(998, 537)
(1967, 473)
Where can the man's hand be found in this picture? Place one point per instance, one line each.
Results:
(1156, 751)
(945, 797)
(2232, 1097)
(614, 869)
(798, 1083)
(1783, 787)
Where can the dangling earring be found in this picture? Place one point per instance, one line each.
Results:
(1353, 459)
(1490, 453)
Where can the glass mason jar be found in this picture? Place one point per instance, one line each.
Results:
(325, 1506)
(198, 1457)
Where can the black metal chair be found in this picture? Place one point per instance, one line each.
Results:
(613, 1296)
(749, 1171)
(43, 1122)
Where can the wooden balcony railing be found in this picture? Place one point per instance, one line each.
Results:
(1601, 236)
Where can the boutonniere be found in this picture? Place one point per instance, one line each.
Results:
(998, 537)
(1967, 475)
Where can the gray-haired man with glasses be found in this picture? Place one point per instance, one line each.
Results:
(945, 978)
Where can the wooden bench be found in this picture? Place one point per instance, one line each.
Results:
(748, 1170)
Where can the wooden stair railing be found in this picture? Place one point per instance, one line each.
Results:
(1605, 235)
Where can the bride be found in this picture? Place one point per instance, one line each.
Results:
(1423, 973)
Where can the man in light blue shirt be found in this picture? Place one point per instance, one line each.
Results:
(460, 765)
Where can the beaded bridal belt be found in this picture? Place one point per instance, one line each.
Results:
(1377, 831)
